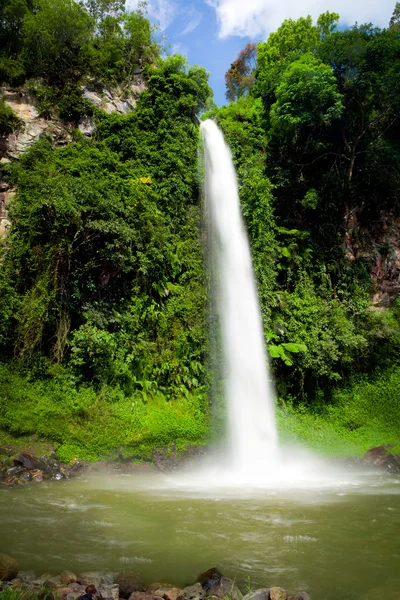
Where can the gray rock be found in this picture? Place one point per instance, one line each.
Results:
(225, 588)
(53, 583)
(26, 576)
(129, 582)
(192, 592)
(89, 578)
(209, 578)
(108, 592)
(8, 567)
(260, 594)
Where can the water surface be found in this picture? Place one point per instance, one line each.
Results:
(342, 541)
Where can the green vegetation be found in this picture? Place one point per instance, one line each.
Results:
(102, 296)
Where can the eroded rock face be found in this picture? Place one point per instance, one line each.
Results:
(121, 99)
(32, 125)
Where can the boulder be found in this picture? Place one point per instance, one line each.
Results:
(209, 578)
(89, 577)
(300, 596)
(192, 592)
(129, 582)
(277, 593)
(260, 594)
(164, 590)
(8, 567)
(67, 577)
(53, 582)
(40, 581)
(225, 588)
(108, 592)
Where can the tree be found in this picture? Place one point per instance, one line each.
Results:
(56, 39)
(239, 78)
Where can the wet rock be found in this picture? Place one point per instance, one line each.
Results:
(67, 577)
(302, 596)
(26, 576)
(192, 592)
(25, 460)
(209, 578)
(128, 583)
(164, 590)
(89, 577)
(225, 588)
(277, 593)
(40, 581)
(8, 567)
(260, 594)
(108, 592)
(15, 471)
(58, 477)
(50, 465)
(53, 582)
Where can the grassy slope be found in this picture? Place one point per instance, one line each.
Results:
(89, 425)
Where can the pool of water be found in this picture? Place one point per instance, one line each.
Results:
(339, 541)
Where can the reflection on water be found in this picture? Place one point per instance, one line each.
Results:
(335, 542)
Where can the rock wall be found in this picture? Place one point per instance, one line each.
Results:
(32, 125)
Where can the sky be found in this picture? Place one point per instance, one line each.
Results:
(211, 33)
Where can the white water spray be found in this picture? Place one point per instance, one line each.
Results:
(247, 383)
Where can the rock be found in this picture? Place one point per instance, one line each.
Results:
(53, 582)
(62, 593)
(8, 567)
(15, 471)
(108, 592)
(26, 576)
(143, 596)
(302, 596)
(37, 475)
(129, 582)
(87, 126)
(260, 594)
(277, 593)
(192, 592)
(16, 581)
(164, 590)
(89, 577)
(40, 581)
(25, 460)
(209, 578)
(225, 588)
(67, 577)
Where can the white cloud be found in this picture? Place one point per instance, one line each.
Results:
(194, 18)
(257, 18)
(162, 12)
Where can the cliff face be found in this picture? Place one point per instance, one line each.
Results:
(32, 125)
(378, 244)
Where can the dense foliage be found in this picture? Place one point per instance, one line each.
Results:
(321, 119)
(102, 291)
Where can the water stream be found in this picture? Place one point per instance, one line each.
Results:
(248, 391)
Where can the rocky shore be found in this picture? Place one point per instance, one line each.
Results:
(127, 585)
(21, 468)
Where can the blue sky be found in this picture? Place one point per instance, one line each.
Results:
(211, 33)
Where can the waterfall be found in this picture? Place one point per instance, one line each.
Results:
(248, 390)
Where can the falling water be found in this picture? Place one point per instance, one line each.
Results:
(247, 382)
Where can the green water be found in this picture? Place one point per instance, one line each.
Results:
(339, 542)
